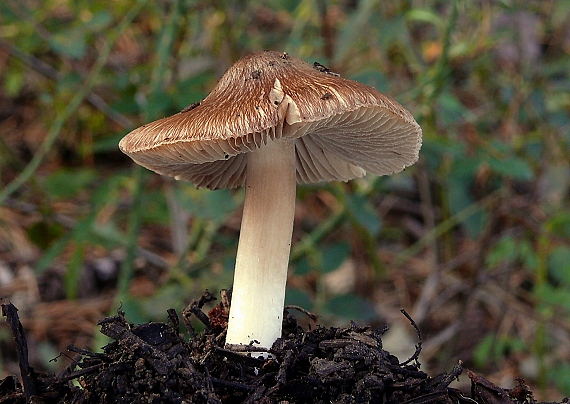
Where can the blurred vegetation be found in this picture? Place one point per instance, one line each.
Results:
(474, 240)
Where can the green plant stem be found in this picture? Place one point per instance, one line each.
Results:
(73, 273)
(441, 68)
(439, 76)
(72, 106)
(127, 266)
(540, 340)
(308, 242)
(164, 49)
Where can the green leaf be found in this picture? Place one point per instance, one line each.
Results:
(427, 16)
(43, 233)
(560, 224)
(109, 191)
(71, 42)
(459, 197)
(451, 109)
(333, 256)
(362, 211)
(503, 252)
(350, 307)
(527, 254)
(99, 21)
(483, 350)
(555, 296)
(393, 30)
(155, 207)
(67, 183)
(210, 205)
(436, 149)
(192, 90)
(559, 265)
(158, 104)
(14, 80)
(127, 105)
(513, 167)
(560, 374)
(81, 233)
(298, 297)
(69, 82)
(373, 78)
(303, 266)
(51, 254)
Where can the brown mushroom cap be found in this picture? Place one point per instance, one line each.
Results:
(341, 128)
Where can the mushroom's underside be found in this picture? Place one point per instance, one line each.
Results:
(324, 151)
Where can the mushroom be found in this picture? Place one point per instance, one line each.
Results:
(271, 121)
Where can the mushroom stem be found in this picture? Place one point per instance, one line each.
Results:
(258, 296)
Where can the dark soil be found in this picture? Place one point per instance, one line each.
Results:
(155, 363)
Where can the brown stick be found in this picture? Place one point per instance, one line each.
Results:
(27, 372)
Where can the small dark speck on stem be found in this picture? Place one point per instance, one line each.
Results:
(326, 96)
(256, 74)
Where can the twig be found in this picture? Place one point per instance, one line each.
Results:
(79, 373)
(11, 313)
(418, 345)
(312, 316)
(195, 307)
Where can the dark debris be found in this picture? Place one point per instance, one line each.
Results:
(324, 69)
(190, 107)
(154, 363)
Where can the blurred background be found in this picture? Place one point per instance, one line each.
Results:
(473, 241)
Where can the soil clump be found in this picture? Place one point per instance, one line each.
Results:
(157, 363)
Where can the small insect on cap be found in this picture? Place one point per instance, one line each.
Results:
(341, 128)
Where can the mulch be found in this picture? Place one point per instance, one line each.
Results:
(160, 363)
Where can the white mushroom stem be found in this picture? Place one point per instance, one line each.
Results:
(260, 277)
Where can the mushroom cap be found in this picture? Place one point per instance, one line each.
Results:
(341, 128)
